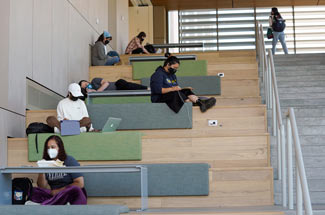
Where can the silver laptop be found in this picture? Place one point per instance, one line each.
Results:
(70, 127)
(111, 124)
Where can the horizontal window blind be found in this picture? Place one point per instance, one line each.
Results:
(234, 29)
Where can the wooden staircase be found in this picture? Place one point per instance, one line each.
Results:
(237, 149)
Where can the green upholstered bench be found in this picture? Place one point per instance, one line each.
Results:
(202, 85)
(124, 145)
(187, 68)
(119, 97)
(141, 115)
(172, 179)
(64, 209)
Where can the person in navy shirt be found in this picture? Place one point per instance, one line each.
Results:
(64, 187)
(165, 89)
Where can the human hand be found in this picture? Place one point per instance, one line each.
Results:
(176, 88)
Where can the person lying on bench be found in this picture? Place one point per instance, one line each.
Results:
(165, 89)
(71, 108)
(64, 187)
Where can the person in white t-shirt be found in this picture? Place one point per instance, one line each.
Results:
(71, 108)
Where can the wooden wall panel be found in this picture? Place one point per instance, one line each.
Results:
(194, 4)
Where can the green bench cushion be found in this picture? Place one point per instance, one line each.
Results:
(124, 145)
(141, 115)
(172, 179)
(202, 85)
(63, 209)
(120, 100)
(187, 68)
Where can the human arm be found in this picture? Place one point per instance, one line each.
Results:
(41, 181)
(104, 85)
(271, 21)
(139, 45)
(170, 89)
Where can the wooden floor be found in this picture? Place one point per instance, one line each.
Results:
(237, 149)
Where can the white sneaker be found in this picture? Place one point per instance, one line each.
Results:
(31, 203)
(159, 51)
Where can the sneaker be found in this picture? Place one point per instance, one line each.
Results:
(207, 104)
(31, 203)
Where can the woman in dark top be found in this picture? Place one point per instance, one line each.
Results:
(165, 89)
(64, 187)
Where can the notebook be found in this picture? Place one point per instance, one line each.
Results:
(111, 124)
(70, 127)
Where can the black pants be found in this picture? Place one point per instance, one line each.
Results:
(175, 100)
(125, 85)
(149, 48)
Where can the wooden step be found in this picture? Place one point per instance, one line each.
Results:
(228, 187)
(241, 151)
(237, 101)
(248, 118)
(228, 212)
(240, 87)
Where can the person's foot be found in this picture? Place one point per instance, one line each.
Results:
(207, 104)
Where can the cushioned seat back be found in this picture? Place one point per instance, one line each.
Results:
(173, 179)
(141, 115)
(124, 145)
(202, 85)
(186, 68)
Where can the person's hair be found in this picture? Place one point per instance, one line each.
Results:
(141, 34)
(276, 12)
(80, 82)
(168, 54)
(101, 38)
(61, 153)
(171, 60)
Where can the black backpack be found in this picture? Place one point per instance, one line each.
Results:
(21, 190)
(38, 127)
(278, 24)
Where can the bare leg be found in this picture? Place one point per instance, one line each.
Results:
(85, 122)
(193, 98)
(52, 121)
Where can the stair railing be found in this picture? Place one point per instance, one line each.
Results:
(302, 190)
(272, 101)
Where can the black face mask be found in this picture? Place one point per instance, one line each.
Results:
(172, 71)
(73, 98)
(141, 39)
(106, 42)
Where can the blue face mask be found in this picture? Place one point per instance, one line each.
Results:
(89, 86)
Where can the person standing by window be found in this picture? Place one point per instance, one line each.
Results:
(277, 23)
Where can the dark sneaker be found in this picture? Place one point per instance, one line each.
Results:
(207, 104)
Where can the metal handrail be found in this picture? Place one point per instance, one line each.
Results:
(301, 178)
(273, 103)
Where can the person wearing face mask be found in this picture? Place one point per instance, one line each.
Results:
(99, 54)
(71, 108)
(135, 45)
(64, 187)
(165, 89)
(100, 85)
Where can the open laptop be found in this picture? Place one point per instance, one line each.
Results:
(70, 127)
(111, 124)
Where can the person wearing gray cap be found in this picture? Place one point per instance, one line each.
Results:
(71, 108)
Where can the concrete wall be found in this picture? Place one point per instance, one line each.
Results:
(48, 42)
(118, 24)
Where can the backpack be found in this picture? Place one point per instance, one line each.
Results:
(278, 24)
(21, 190)
(38, 127)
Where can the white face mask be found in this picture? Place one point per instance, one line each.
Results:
(52, 153)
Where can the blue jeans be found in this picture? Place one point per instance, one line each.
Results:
(279, 36)
(114, 58)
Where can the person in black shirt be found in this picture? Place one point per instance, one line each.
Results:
(165, 89)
